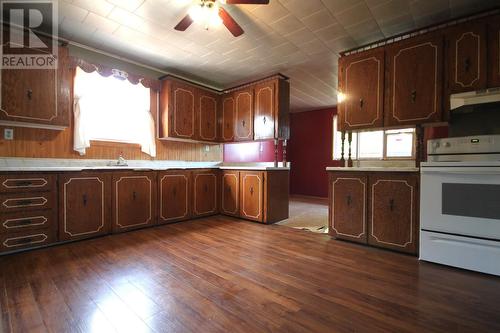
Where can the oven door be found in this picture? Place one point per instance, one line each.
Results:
(461, 200)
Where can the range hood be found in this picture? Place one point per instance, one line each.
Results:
(468, 101)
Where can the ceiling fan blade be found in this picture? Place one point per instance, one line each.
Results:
(230, 23)
(184, 23)
(247, 2)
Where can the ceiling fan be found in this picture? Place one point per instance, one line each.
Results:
(211, 13)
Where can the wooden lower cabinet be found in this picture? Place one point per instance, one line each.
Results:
(393, 215)
(376, 208)
(174, 195)
(205, 192)
(252, 195)
(84, 205)
(348, 206)
(230, 192)
(134, 200)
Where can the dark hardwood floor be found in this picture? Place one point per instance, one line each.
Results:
(224, 275)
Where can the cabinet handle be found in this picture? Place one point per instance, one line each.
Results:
(229, 189)
(264, 120)
(349, 200)
(243, 123)
(205, 188)
(24, 202)
(413, 96)
(84, 199)
(391, 205)
(227, 125)
(23, 183)
(25, 222)
(361, 103)
(134, 195)
(174, 192)
(29, 93)
(467, 64)
(251, 190)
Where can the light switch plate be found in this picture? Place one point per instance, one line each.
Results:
(8, 134)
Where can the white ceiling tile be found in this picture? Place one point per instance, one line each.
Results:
(102, 8)
(318, 20)
(100, 23)
(129, 5)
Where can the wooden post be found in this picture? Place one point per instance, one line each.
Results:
(349, 159)
(276, 141)
(284, 153)
(419, 149)
(342, 145)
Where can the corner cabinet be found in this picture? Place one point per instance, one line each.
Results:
(414, 84)
(37, 97)
(375, 208)
(466, 57)
(205, 192)
(244, 111)
(494, 51)
(84, 205)
(134, 200)
(361, 80)
(174, 195)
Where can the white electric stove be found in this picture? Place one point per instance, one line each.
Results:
(460, 203)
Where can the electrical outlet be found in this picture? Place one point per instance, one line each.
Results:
(8, 134)
(207, 148)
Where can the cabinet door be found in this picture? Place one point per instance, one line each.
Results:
(84, 202)
(207, 116)
(466, 57)
(393, 214)
(265, 110)
(134, 200)
(414, 82)
(494, 51)
(348, 204)
(252, 195)
(230, 193)
(243, 100)
(362, 82)
(38, 96)
(175, 196)
(205, 192)
(182, 113)
(228, 118)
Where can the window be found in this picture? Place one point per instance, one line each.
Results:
(388, 144)
(112, 109)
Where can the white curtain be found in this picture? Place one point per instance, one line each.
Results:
(110, 109)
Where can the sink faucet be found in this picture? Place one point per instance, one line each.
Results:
(121, 161)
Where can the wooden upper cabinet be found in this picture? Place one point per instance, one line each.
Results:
(393, 219)
(174, 195)
(230, 193)
(265, 110)
(84, 205)
(414, 81)
(177, 110)
(348, 206)
(134, 200)
(37, 96)
(243, 103)
(207, 115)
(361, 79)
(252, 195)
(494, 51)
(205, 185)
(466, 57)
(228, 120)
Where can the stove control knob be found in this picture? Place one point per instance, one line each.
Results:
(447, 144)
(436, 145)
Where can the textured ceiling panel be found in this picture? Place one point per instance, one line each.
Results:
(299, 38)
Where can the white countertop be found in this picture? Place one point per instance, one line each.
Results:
(49, 164)
(375, 169)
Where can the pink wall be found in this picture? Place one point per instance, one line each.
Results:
(310, 151)
(258, 151)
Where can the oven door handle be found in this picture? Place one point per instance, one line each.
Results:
(461, 171)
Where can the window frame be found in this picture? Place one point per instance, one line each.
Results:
(384, 148)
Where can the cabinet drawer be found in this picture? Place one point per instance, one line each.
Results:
(25, 201)
(25, 239)
(23, 221)
(26, 183)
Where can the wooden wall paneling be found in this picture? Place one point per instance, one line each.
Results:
(348, 206)
(175, 195)
(134, 200)
(494, 51)
(414, 81)
(230, 192)
(84, 204)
